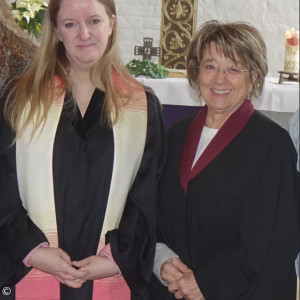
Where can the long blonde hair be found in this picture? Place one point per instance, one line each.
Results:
(39, 87)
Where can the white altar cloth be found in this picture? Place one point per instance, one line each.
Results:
(275, 97)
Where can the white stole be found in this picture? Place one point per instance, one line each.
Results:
(34, 159)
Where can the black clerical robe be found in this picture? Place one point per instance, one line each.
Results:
(82, 162)
(236, 222)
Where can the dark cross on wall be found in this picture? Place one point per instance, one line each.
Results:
(147, 50)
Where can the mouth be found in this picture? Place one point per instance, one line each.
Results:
(221, 92)
(84, 46)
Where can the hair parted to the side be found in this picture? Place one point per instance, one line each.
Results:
(16, 48)
(238, 38)
(38, 84)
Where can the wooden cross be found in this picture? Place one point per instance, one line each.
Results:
(147, 50)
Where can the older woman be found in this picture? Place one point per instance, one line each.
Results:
(81, 149)
(229, 195)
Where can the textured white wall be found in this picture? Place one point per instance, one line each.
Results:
(141, 18)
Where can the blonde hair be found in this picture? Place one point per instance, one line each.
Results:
(16, 48)
(38, 85)
(230, 39)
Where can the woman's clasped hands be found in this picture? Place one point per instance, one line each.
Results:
(74, 274)
(180, 279)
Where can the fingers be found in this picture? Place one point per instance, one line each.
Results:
(185, 285)
(81, 263)
(181, 266)
(65, 256)
(72, 280)
(173, 287)
(78, 273)
(169, 272)
(60, 279)
(178, 294)
(76, 284)
(73, 274)
(188, 288)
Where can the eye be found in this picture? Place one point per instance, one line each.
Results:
(95, 21)
(234, 70)
(69, 25)
(210, 67)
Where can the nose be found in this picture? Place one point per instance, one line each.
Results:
(221, 74)
(220, 70)
(84, 32)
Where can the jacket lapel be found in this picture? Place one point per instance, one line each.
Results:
(231, 128)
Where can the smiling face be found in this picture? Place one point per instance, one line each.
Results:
(84, 28)
(223, 92)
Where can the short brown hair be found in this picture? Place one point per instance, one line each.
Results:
(230, 38)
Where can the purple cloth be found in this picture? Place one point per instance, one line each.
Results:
(174, 113)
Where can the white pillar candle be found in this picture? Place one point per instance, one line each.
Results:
(291, 57)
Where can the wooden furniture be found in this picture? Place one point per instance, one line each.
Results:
(288, 76)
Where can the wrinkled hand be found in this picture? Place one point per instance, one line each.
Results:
(97, 267)
(173, 269)
(186, 287)
(57, 262)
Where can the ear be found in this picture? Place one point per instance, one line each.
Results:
(112, 23)
(58, 35)
(113, 20)
(254, 75)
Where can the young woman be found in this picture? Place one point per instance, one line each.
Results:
(82, 145)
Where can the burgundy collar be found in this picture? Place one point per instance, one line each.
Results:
(230, 129)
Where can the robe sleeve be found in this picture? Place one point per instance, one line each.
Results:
(18, 234)
(261, 266)
(133, 243)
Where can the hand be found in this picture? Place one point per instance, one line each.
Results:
(57, 262)
(97, 267)
(186, 287)
(173, 269)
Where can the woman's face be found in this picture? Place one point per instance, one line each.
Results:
(84, 28)
(223, 92)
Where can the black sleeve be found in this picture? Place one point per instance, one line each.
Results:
(18, 234)
(133, 244)
(262, 265)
